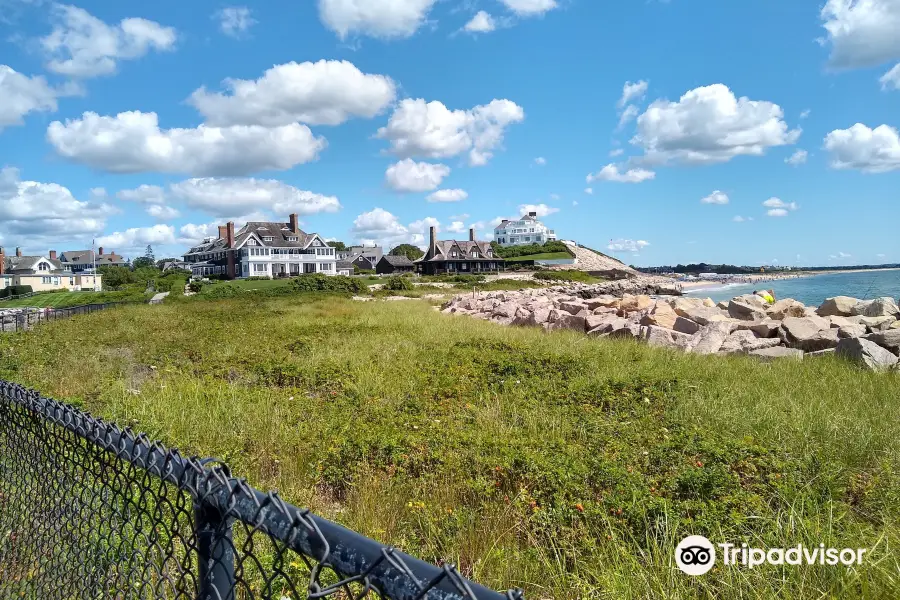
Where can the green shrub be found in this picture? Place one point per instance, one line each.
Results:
(195, 286)
(398, 283)
(224, 291)
(317, 282)
(529, 249)
(566, 275)
(15, 290)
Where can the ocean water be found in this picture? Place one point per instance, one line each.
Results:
(814, 289)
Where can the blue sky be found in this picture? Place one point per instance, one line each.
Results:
(137, 123)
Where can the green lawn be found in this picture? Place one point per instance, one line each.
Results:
(567, 465)
(544, 256)
(66, 299)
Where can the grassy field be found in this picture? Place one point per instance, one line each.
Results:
(66, 299)
(544, 256)
(566, 465)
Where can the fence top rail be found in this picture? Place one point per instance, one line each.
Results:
(352, 556)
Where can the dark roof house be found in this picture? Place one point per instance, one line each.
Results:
(453, 256)
(394, 264)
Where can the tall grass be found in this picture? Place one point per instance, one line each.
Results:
(567, 465)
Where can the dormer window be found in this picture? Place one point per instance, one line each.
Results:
(251, 242)
(268, 238)
(490, 253)
(292, 238)
(43, 266)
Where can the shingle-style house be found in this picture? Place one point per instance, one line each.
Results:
(451, 256)
(389, 265)
(344, 267)
(262, 249)
(524, 230)
(43, 273)
(79, 261)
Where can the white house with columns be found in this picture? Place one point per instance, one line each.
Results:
(525, 230)
(262, 249)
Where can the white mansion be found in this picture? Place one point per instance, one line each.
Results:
(262, 249)
(526, 230)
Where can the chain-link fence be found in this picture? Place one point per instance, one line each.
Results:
(88, 510)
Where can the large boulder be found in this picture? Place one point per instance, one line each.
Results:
(842, 306)
(598, 324)
(744, 310)
(662, 315)
(627, 330)
(572, 307)
(604, 301)
(808, 333)
(767, 328)
(861, 307)
(687, 326)
(710, 338)
(882, 307)
(849, 331)
(745, 341)
(568, 321)
(866, 353)
(704, 315)
(658, 336)
(506, 309)
(877, 323)
(630, 304)
(777, 352)
(889, 339)
(787, 307)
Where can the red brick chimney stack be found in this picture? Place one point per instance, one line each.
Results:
(229, 234)
(53, 255)
(295, 225)
(100, 251)
(471, 234)
(222, 232)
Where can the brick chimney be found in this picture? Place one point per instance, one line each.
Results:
(295, 226)
(18, 252)
(229, 234)
(222, 231)
(471, 234)
(100, 251)
(432, 245)
(53, 255)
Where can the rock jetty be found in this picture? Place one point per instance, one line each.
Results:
(649, 309)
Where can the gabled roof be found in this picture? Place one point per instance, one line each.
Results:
(444, 247)
(87, 256)
(279, 232)
(28, 263)
(397, 261)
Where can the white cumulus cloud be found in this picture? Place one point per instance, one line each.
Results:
(431, 130)
(144, 194)
(778, 207)
(868, 150)
(411, 176)
(710, 125)
(632, 91)
(861, 33)
(374, 18)
(542, 209)
(327, 92)
(891, 79)
(530, 8)
(717, 197)
(611, 173)
(21, 94)
(224, 197)
(589, 191)
(797, 158)
(624, 245)
(450, 195)
(740, 219)
(82, 46)
(132, 142)
(136, 239)
(234, 21)
(162, 212)
(482, 22)
(46, 213)
(540, 161)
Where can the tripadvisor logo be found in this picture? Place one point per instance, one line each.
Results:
(696, 555)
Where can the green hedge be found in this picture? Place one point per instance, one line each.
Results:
(317, 282)
(15, 290)
(529, 249)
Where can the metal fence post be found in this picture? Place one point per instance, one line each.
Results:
(215, 550)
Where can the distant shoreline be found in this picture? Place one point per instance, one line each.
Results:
(748, 279)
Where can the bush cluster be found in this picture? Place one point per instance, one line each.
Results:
(15, 290)
(398, 283)
(528, 250)
(317, 282)
(566, 275)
